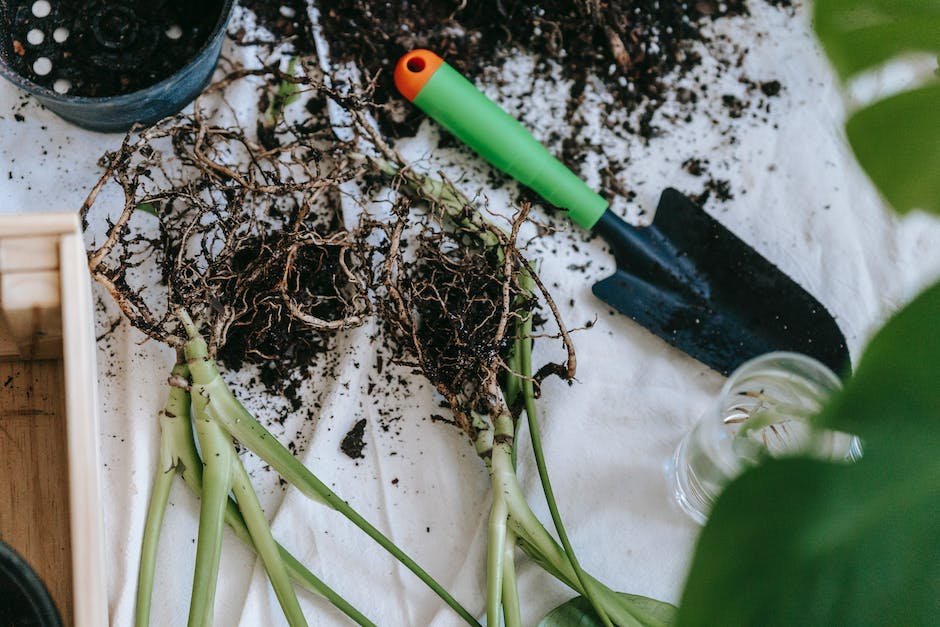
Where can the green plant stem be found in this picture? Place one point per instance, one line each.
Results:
(175, 412)
(528, 394)
(445, 196)
(495, 551)
(514, 387)
(178, 455)
(190, 469)
(148, 550)
(217, 455)
(533, 537)
(224, 409)
(542, 547)
(501, 464)
(265, 545)
(536, 541)
(512, 610)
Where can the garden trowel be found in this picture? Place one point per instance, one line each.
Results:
(685, 277)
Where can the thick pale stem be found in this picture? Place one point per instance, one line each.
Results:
(265, 545)
(539, 544)
(226, 411)
(178, 451)
(148, 550)
(175, 409)
(503, 475)
(543, 548)
(496, 546)
(190, 468)
(217, 454)
(512, 609)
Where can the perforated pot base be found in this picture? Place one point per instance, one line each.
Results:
(98, 48)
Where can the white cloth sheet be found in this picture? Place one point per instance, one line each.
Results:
(799, 198)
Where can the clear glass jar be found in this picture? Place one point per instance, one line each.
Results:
(763, 410)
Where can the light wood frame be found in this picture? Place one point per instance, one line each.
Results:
(47, 347)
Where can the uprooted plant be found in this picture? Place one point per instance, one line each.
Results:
(460, 299)
(227, 248)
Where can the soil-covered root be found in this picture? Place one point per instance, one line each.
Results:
(452, 289)
(244, 235)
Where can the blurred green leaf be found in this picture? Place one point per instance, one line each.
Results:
(896, 386)
(859, 34)
(578, 612)
(803, 542)
(897, 142)
(287, 93)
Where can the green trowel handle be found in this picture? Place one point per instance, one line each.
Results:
(453, 101)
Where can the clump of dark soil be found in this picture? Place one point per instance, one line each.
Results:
(99, 48)
(444, 305)
(631, 45)
(453, 294)
(353, 444)
(713, 187)
(286, 292)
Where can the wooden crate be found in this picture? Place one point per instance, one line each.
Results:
(50, 497)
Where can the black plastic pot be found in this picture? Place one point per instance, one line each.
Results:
(24, 599)
(113, 35)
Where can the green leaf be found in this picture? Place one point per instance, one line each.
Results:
(859, 34)
(896, 386)
(578, 612)
(288, 91)
(147, 207)
(804, 542)
(897, 142)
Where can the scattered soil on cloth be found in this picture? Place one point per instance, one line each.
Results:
(631, 45)
(98, 48)
(287, 20)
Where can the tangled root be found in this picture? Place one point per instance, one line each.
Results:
(451, 290)
(245, 235)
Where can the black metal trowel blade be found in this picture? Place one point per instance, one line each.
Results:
(698, 286)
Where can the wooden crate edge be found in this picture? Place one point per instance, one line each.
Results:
(31, 224)
(89, 582)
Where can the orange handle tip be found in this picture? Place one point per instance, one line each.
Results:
(414, 70)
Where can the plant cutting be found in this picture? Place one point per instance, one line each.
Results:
(459, 298)
(226, 250)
